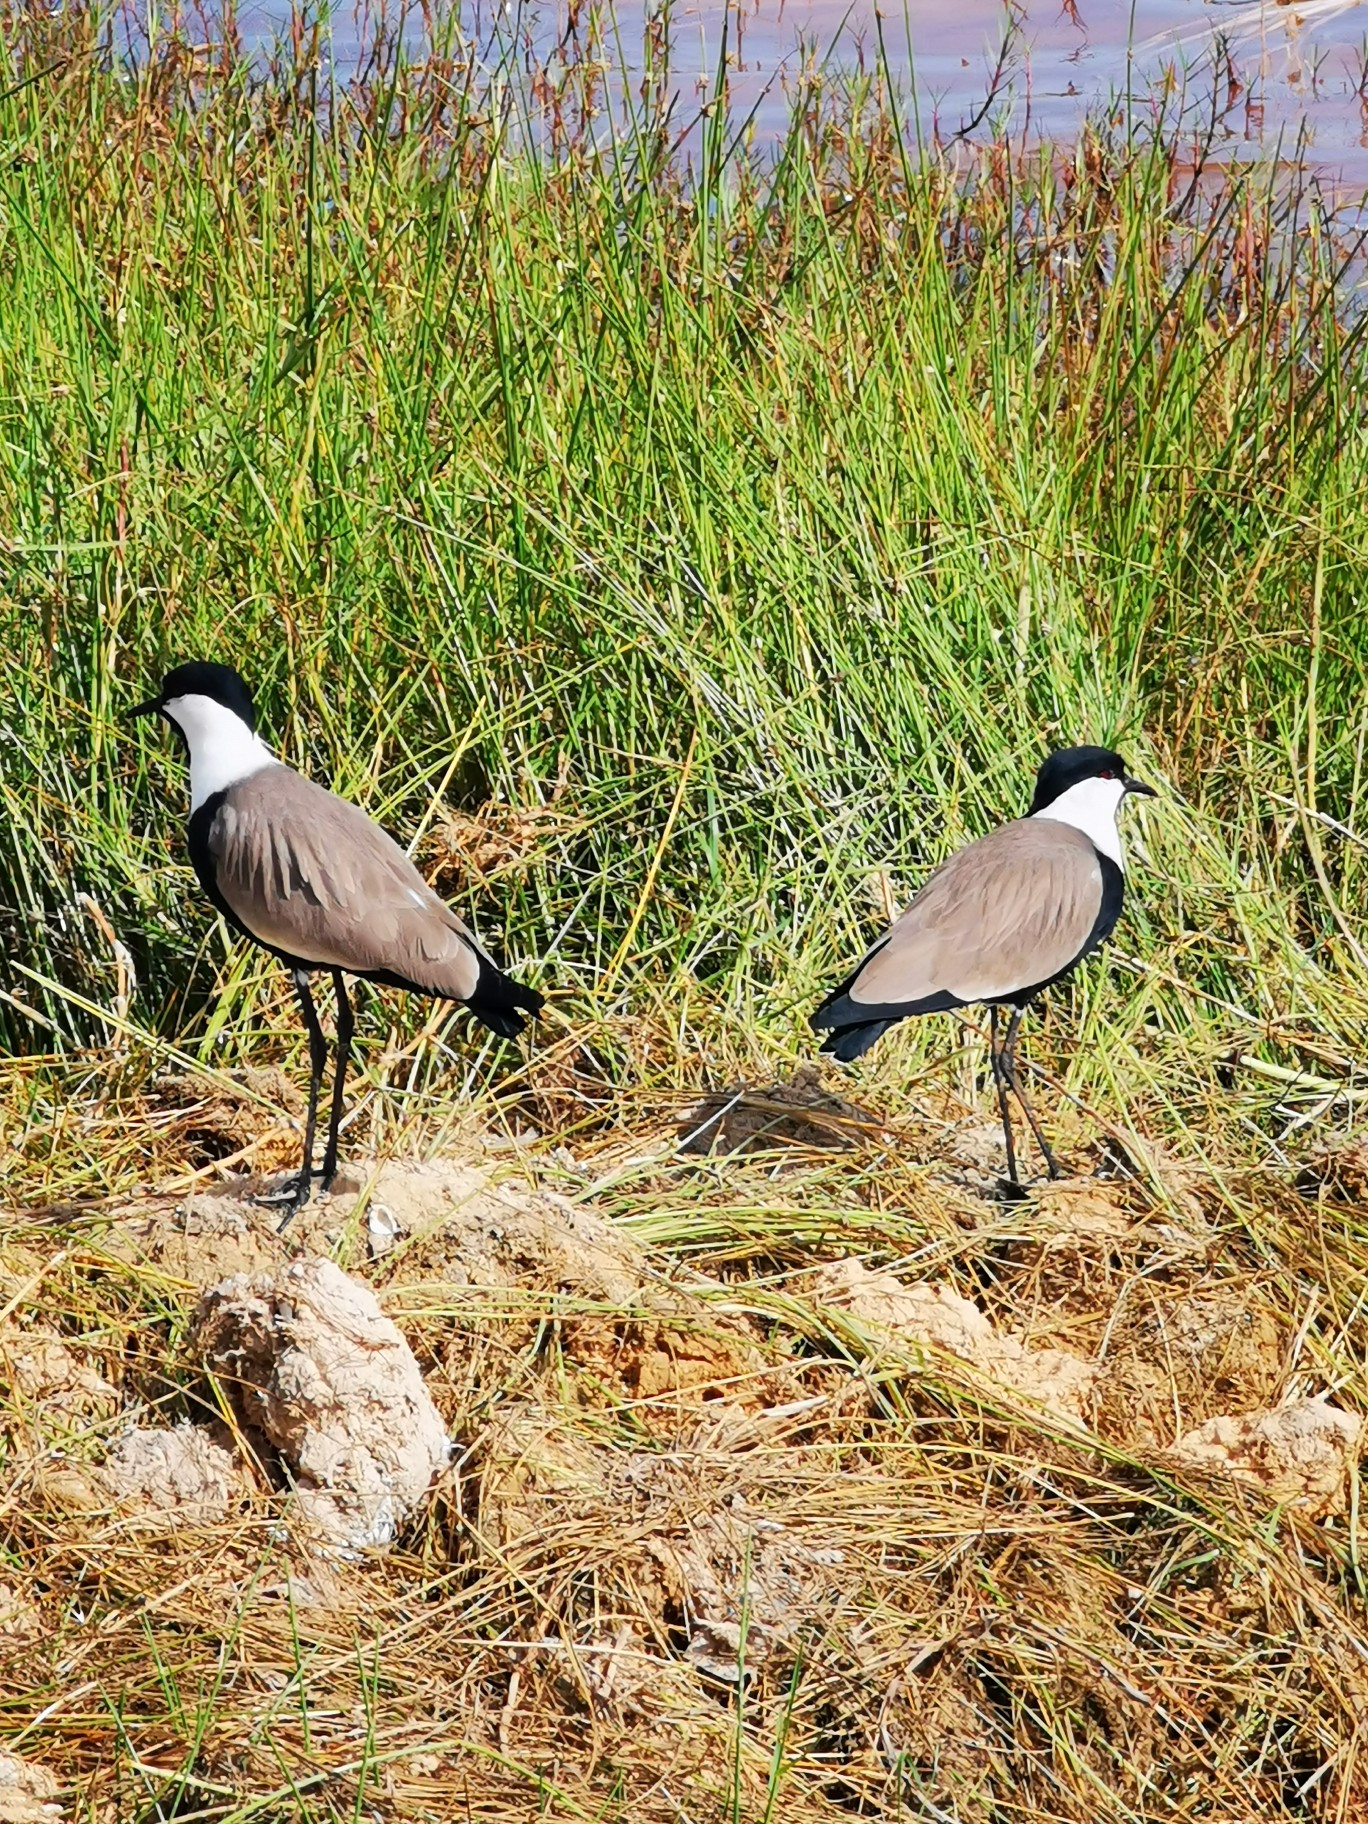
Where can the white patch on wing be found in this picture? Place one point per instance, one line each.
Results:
(416, 896)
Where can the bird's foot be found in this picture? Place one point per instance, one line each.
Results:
(300, 1198)
(295, 1193)
(285, 1193)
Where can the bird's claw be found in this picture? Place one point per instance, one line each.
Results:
(296, 1194)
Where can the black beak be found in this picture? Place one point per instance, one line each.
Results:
(1139, 789)
(152, 707)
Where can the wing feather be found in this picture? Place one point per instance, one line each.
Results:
(309, 875)
(1007, 913)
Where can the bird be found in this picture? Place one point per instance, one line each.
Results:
(310, 878)
(999, 922)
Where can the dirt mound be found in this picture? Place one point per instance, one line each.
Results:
(472, 1228)
(1079, 1243)
(1178, 1353)
(1300, 1453)
(751, 1589)
(324, 1379)
(801, 1112)
(460, 1221)
(172, 1477)
(223, 1116)
(50, 1379)
(1083, 1212)
(626, 1328)
(886, 1311)
(20, 1619)
(216, 1233)
(1338, 1170)
(674, 1362)
(28, 1794)
(744, 1587)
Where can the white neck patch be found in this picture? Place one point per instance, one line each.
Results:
(223, 750)
(1091, 806)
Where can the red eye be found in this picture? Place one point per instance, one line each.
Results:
(1106, 775)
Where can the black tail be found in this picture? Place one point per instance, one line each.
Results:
(853, 1026)
(850, 1042)
(499, 1002)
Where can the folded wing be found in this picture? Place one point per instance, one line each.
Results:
(311, 877)
(1005, 915)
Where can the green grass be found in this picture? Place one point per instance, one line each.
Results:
(685, 556)
(773, 515)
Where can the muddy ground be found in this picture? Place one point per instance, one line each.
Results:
(777, 1475)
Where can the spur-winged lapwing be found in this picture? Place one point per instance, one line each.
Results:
(999, 921)
(310, 878)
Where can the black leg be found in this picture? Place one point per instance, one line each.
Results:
(318, 1058)
(1000, 1078)
(1009, 1065)
(346, 1026)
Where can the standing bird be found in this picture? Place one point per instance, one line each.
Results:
(310, 878)
(1000, 921)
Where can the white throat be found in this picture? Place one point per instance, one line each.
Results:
(223, 750)
(1091, 806)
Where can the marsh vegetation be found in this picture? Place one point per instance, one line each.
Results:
(686, 550)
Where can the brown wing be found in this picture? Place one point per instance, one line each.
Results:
(310, 875)
(1006, 913)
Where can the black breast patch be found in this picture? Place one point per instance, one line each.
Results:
(202, 859)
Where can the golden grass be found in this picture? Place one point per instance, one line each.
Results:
(946, 1601)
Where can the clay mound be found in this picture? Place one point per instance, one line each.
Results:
(751, 1591)
(889, 1312)
(1083, 1240)
(471, 1228)
(674, 1363)
(28, 1794)
(224, 1115)
(171, 1478)
(800, 1112)
(1084, 1212)
(208, 1237)
(21, 1621)
(460, 1220)
(747, 1588)
(321, 1375)
(48, 1380)
(1301, 1453)
(974, 1151)
(1338, 1170)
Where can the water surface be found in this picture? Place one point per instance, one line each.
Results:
(1267, 79)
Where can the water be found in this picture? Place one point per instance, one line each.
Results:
(1281, 77)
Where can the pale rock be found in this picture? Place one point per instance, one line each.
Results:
(327, 1379)
(935, 1316)
(1299, 1453)
(178, 1475)
(28, 1794)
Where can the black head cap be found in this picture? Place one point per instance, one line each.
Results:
(1071, 765)
(202, 679)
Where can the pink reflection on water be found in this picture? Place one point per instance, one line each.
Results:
(1272, 75)
(1276, 71)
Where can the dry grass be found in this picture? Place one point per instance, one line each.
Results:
(671, 557)
(944, 1600)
